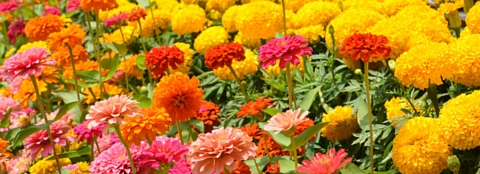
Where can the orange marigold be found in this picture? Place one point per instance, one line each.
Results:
(97, 5)
(179, 95)
(137, 14)
(223, 54)
(367, 47)
(158, 60)
(40, 28)
(209, 113)
(154, 121)
(62, 55)
(72, 35)
(255, 108)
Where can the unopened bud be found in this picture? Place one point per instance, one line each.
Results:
(454, 19)
(358, 72)
(391, 64)
(453, 163)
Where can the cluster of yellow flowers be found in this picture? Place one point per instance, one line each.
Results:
(187, 58)
(45, 166)
(466, 65)
(260, 20)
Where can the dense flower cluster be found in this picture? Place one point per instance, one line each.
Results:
(153, 121)
(159, 59)
(260, 20)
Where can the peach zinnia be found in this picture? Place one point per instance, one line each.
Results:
(286, 122)
(154, 121)
(39, 28)
(179, 95)
(212, 152)
(72, 35)
(112, 111)
(365, 47)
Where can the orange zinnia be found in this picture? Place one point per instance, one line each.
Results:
(154, 121)
(137, 14)
(365, 47)
(97, 5)
(255, 108)
(209, 113)
(72, 35)
(158, 60)
(62, 56)
(179, 95)
(40, 27)
(253, 131)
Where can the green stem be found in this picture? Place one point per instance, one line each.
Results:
(77, 88)
(290, 87)
(96, 144)
(225, 170)
(284, 18)
(294, 150)
(145, 51)
(120, 136)
(270, 160)
(239, 83)
(5, 29)
(124, 59)
(370, 115)
(93, 94)
(256, 165)
(42, 111)
(92, 151)
(179, 129)
(432, 93)
(95, 47)
(97, 23)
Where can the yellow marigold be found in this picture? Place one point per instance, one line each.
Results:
(260, 20)
(9, 53)
(27, 92)
(168, 5)
(295, 5)
(37, 44)
(129, 66)
(45, 166)
(40, 27)
(219, 5)
(129, 33)
(162, 20)
(275, 70)
(62, 55)
(154, 121)
(247, 42)
(248, 1)
(123, 7)
(311, 33)
(242, 68)
(391, 7)
(467, 60)
(5, 152)
(473, 19)
(82, 168)
(187, 58)
(448, 6)
(214, 15)
(189, 1)
(342, 123)
(210, 38)
(110, 89)
(460, 116)
(466, 31)
(420, 147)
(188, 19)
(98, 5)
(229, 18)
(394, 108)
(316, 13)
(427, 63)
(374, 5)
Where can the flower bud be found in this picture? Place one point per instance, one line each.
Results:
(391, 64)
(453, 163)
(358, 72)
(454, 19)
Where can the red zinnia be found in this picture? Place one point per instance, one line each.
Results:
(158, 59)
(209, 113)
(365, 46)
(136, 14)
(255, 108)
(222, 55)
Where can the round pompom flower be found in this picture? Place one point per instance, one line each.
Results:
(45, 165)
(210, 38)
(219, 5)
(39, 141)
(115, 159)
(342, 124)
(394, 108)
(223, 55)
(188, 19)
(112, 111)
(259, 20)
(117, 19)
(71, 36)
(136, 14)
(329, 163)
(473, 19)
(212, 152)
(287, 49)
(367, 47)
(82, 132)
(163, 150)
(179, 95)
(420, 147)
(158, 59)
(462, 127)
(242, 68)
(24, 64)
(465, 60)
(153, 121)
(311, 15)
(286, 122)
(97, 5)
(62, 57)
(229, 18)
(40, 27)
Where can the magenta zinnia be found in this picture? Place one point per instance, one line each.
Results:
(163, 150)
(329, 163)
(83, 132)
(112, 111)
(286, 122)
(120, 18)
(16, 29)
(39, 140)
(29, 62)
(287, 49)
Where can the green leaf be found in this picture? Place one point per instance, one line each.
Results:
(150, 90)
(68, 96)
(152, 4)
(309, 98)
(272, 111)
(262, 162)
(113, 68)
(143, 101)
(286, 166)
(283, 140)
(28, 13)
(307, 134)
(89, 76)
(37, 8)
(351, 168)
(6, 118)
(143, 3)
(362, 114)
(64, 109)
(12, 133)
(85, 150)
(198, 124)
(141, 62)
(27, 132)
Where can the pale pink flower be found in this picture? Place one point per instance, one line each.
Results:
(117, 18)
(287, 49)
(39, 140)
(112, 111)
(286, 122)
(6, 103)
(163, 150)
(105, 142)
(52, 11)
(70, 167)
(325, 164)
(72, 5)
(115, 159)
(212, 152)
(20, 163)
(29, 62)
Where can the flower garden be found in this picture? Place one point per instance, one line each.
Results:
(240, 86)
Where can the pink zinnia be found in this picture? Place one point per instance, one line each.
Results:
(287, 49)
(180, 167)
(286, 122)
(39, 140)
(112, 111)
(82, 132)
(212, 152)
(16, 28)
(325, 164)
(20, 163)
(163, 150)
(52, 11)
(115, 159)
(29, 62)
(105, 142)
(6, 103)
(7, 7)
(72, 5)
(117, 18)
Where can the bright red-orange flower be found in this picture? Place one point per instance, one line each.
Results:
(222, 55)
(179, 95)
(209, 113)
(39, 28)
(72, 35)
(137, 14)
(366, 47)
(97, 5)
(158, 60)
(253, 131)
(255, 108)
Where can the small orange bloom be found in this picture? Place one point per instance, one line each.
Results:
(255, 108)
(5, 152)
(40, 27)
(241, 168)
(62, 56)
(209, 113)
(223, 55)
(72, 35)
(179, 95)
(137, 14)
(97, 5)
(158, 60)
(154, 121)
(253, 131)
(366, 47)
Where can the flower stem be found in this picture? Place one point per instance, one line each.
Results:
(145, 51)
(284, 18)
(42, 111)
(239, 83)
(96, 144)
(87, 15)
(290, 87)
(179, 129)
(270, 160)
(5, 29)
(97, 54)
(256, 165)
(370, 115)
(294, 150)
(225, 170)
(120, 136)
(77, 88)
(124, 59)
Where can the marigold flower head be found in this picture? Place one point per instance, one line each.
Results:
(179, 95)
(342, 123)
(464, 61)
(71, 36)
(255, 108)
(117, 19)
(287, 49)
(210, 38)
(312, 33)
(39, 141)
(40, 28)
(82, 132)
(129, 66)
(286, 122)
(73, 5)
(163, 150)
(16, 29)
(459, 115)
(209, 113)
(222, 55)
(112, 111)
(212, 152)
(248, 66)
(310, 15)
(259, 20)
(394, 108)
(188, 19)
(153, 121)
(115, 159)
(20, 163)
(392, 7)
(251, 43)
(158, 59)
(27, 63)
(97, 5)
(420, 147)
(162, 21)
(219, 5)
(325, 163)
(229, 18)
(130, 33)
(136, 14)
(46, 166)
(25, 93)
(473, 19)
(367, 47)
